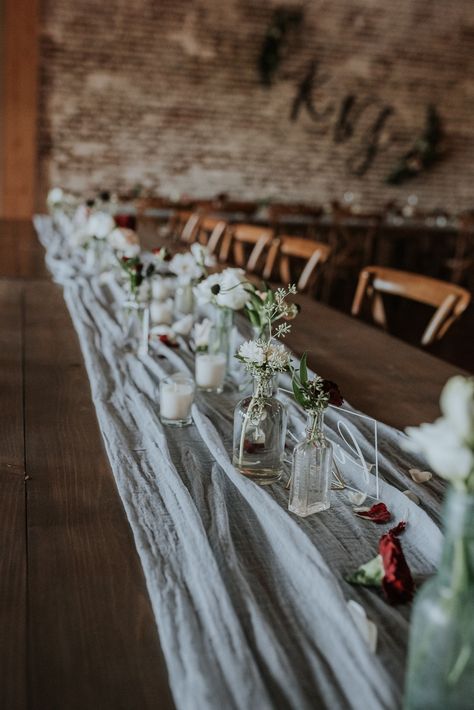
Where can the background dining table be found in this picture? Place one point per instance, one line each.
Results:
(76, 625)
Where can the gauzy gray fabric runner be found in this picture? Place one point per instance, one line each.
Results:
(250, 601)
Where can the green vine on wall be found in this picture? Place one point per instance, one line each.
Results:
(284, 20)
(425, 152)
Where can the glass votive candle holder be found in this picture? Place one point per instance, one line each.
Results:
(210, 371)
(176, 399)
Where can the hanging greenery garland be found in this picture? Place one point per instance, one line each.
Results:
(425, 152)
(284, 20)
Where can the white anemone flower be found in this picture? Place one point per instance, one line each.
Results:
(100, 224)
(457, 406)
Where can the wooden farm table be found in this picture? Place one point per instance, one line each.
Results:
(76, 626)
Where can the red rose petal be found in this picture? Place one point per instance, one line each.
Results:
(378, 513)
(397, 584)
(166, 341)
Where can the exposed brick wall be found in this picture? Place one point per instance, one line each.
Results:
(166, 93)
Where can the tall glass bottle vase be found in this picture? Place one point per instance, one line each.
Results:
(136, 325)
(222, 325)
(311, 470)
(259, 435)
(440, 672)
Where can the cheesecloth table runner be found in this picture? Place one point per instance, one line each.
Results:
(250, 601)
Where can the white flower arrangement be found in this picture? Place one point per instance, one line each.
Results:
(448, 443)
(268, 306)
(201, 333)
(125, 241)
(191, 266)
(100, 225)
(263, 358)
(229, 289)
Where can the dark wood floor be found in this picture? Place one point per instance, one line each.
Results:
(76, 627)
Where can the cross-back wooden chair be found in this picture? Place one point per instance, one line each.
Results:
(186, 226)
(211, 231)
(248, 243)
(285, 250)
(449, 299)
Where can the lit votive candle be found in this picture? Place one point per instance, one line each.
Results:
(176, 398)
(210, 371)
(161, 312)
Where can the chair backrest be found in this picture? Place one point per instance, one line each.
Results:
(210, 232)
(243, 237)
(286, 250)
(449, 299)
(187, 226)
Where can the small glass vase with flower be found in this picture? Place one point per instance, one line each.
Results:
(260, 420)
(312, 457)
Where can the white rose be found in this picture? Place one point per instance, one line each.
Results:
(201, 255)
(252, 352)
(55, 197)
(457, 405)
(185, 267)
(100, 224)
(442, 448)
(124, 240)
(201, 333)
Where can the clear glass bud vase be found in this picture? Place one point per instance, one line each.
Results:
(184, 299)
(311, 470)
(222, 325)
(440, 672)
(259, 435)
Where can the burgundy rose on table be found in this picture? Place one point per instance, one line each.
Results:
(335, 396)
(389, 570)
(397, 583)
(127, 221)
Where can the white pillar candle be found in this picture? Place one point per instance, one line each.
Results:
(159, 289)
(210, 370)
(176, 398)
(161, 313)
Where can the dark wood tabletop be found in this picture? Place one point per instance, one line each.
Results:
(76, 626)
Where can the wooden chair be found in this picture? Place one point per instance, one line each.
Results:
(449, 300)
(286, 250)
(248, 243)
(186, 226)
(210, 233)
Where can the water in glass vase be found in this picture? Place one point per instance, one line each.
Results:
(259, 435)
(311, 470)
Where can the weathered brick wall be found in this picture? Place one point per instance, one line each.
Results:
(166, 93)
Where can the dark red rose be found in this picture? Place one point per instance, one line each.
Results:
(138, 267)
(397, 584)
(335, 396)
(166, 341)
(378, 513)
(126, 259)
(127, 221)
